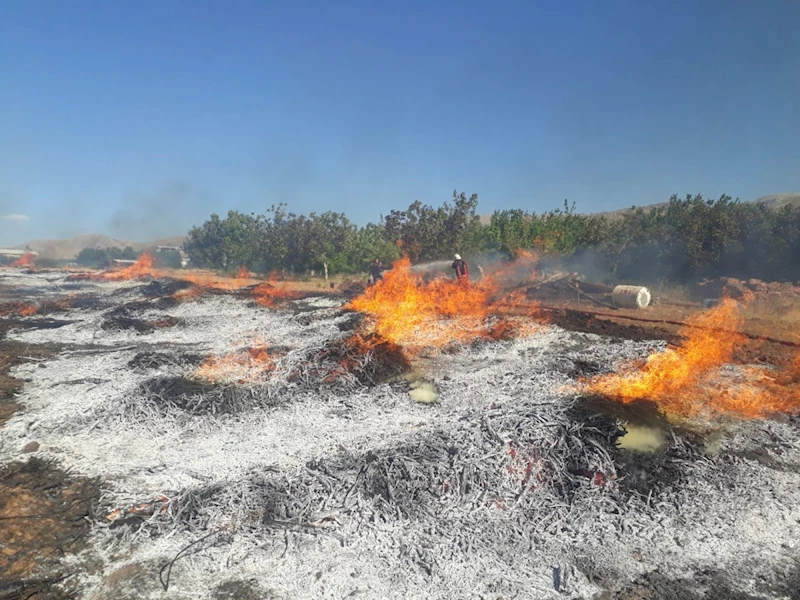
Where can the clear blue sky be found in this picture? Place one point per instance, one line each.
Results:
(139, 119)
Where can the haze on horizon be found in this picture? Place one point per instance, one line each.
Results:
(138, 120)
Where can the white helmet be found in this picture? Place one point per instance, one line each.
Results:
(458, 257)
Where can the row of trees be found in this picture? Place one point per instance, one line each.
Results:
(100, 258)
(684, 239)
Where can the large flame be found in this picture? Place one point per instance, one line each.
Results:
(406, 310)
(686, 382)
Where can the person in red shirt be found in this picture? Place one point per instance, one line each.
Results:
(461, 269)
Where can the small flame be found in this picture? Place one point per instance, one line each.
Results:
(26, 260)
(141, 268)
(266, 294)
(243, 366)
(28, 311)
(243, 273)
(189, 293)
(685, 381)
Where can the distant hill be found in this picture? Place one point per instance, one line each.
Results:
(69, 248)
(773, 201)
(779, 200)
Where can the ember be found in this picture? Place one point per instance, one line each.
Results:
(266, 294)
(247, 365)
(27, 311)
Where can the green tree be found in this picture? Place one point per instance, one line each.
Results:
(427, 233)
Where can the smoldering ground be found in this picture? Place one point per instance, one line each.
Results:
(357, 489)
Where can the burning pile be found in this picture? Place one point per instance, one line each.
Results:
(263, 293)
(26, 260)
(686, 382)
(244, 366)
(266, 294)
(143, 267)
(45, 307)
(18, 309)
(408, 311)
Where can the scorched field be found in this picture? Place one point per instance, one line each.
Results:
(191, 437)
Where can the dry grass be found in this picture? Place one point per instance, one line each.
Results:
(777, 317)
(774, 315)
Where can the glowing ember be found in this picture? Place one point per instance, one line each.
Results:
(26, 260)
(266, 294)
(187, 294)
(408, 311)
(685, 381)
(210, 281)
(244, 366)
(28, 311)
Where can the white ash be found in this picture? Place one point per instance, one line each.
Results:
(214, 323)
(282, 483)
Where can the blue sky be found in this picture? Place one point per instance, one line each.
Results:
(139, 119)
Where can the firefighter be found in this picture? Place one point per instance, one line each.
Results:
(461, 269)
(376, 270)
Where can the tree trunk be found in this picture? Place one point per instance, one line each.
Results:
(325, 266)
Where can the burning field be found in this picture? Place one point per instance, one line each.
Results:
(182, 435)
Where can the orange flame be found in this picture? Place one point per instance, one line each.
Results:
(685, 382)
(28, 311)
(242, 366)
(408, 311)
(26, 260)
(141, 268)
(209, 281)
(189, 293)
(266, 294)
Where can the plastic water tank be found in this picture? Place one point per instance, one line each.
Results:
(631, 296)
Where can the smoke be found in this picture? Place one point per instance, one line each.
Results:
(170, 211)
(641, 438)
(587, 262)
(634, 265)
(432, 268)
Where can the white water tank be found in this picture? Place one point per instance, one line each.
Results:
(631, 296)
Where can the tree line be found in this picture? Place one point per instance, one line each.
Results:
(101, 258)
(685, 239)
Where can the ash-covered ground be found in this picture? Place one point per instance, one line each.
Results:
(322, 478)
